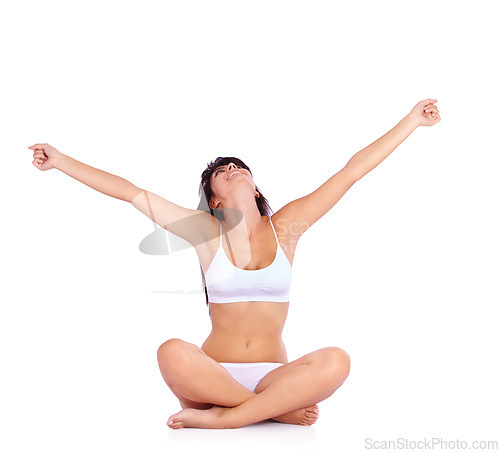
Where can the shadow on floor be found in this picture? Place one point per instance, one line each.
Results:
(259, 437)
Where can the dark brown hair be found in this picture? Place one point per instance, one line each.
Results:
(205, 192)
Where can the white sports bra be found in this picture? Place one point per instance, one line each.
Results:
(227, 283)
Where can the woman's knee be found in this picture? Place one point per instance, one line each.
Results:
(174, 352)
(335, 363)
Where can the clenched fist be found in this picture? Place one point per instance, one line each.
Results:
(426, 112)
(44, 156)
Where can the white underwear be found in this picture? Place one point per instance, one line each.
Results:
(250, 374)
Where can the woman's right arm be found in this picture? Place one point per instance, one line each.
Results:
(46, 157)
(190, 224)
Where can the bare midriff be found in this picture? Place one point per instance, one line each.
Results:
(247, 332)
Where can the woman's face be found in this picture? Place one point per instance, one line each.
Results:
(228, 178)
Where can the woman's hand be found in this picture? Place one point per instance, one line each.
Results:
(426, 113)
(44, 156)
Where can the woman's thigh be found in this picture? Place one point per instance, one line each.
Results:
(187, 403)
(196, 379)
(326, 359)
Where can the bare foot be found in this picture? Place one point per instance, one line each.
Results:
(198, 418)
(306, 416)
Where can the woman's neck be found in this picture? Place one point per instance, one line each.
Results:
(247, 222)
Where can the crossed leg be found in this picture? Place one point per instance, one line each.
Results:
(211, 398)
(199, 382)
(196, 379)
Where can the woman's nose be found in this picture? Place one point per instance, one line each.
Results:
(231, 165)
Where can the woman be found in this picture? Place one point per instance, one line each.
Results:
(241, 374)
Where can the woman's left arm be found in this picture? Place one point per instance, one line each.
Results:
(305, 211)
(425, 113)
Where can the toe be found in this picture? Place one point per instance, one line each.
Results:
(307, 422)
(314, 409)
(309, 419)
(174, 422)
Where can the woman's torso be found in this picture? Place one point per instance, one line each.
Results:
(248, 331)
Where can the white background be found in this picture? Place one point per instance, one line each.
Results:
(402, 273)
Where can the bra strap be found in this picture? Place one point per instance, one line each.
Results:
(274, 231)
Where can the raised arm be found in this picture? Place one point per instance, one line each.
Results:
(190, 224)
(364, 161)
(305, 211)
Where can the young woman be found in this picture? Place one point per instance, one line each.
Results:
(241, 374)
